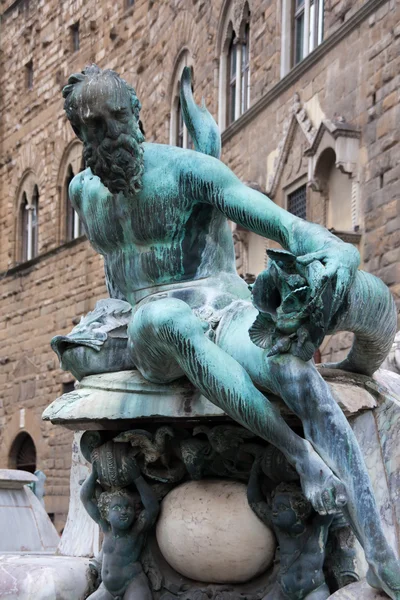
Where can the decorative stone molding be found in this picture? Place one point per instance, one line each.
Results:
(343, 138)
(232, 16)
(241, 9)
(27, 166)
(295, 74)
(298, 116)
(183, 59)
(71, 155)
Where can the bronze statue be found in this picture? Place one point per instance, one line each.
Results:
(159, 216)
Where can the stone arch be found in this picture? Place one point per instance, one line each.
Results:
(71, 161)
(335, 188)
(186, 36)
(27, 195)
(183, 59)
(22, 454)
(28, 168)
(339, 142)
(242, 16)
(234, 17)
(26, 421)
(225, 27)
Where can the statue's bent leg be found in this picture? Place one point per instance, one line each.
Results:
(138, 589)
(101, 594)
(168, 340)
(325, 426)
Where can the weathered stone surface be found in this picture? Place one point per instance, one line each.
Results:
(368, 435)
(15, 479)
(43, 577)
(358, 591)
(24, 524)
(208, 532)
(81, 536)
(108, 400)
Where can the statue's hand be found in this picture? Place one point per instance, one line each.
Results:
(341, 261)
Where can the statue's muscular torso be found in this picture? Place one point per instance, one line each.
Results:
(162, 235)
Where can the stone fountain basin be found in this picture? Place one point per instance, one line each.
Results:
(43, 577)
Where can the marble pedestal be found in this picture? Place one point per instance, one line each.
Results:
(117, 402)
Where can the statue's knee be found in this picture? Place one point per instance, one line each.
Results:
(156, 318)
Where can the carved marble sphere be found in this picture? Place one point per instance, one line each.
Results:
(207, 532)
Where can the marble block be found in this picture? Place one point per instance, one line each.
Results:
(207, 532)
(28, 577)
(81, 535)
(24, 524)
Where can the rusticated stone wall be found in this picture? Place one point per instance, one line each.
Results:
(354, 75)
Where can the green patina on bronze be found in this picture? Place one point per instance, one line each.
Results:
(159, 216)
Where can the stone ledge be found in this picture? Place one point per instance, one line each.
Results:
(109, 400)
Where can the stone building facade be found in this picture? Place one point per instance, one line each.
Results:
(306, 93)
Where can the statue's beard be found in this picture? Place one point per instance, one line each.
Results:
(117, 162)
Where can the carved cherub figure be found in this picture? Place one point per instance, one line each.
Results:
(301, 535)
(124, 536)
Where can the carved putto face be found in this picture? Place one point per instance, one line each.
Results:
(290, 509)
(283, 515)
(121, 512)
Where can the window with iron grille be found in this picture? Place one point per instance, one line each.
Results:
(297, 202)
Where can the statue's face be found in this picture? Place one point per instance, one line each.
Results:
(104, 110)
(105, 121)
(283, 515)
(121, 513)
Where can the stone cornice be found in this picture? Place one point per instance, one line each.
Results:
(24, 267)
(298, 71)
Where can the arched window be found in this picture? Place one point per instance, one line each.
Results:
(23, 453)
(231, 96)
(71, 164)
(179, 135)
(28, 220)
(74, 228)
(234, 64)
(245, 69)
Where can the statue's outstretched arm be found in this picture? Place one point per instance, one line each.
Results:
(148, 516)
(211, 181)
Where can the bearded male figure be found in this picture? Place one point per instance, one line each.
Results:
(159, 216)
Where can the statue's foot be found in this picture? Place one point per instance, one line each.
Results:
(323, 490)
(386, 577)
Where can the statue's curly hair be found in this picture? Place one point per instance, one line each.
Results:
(298, 501)
(104, 500)
(89, 73)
